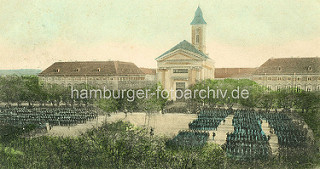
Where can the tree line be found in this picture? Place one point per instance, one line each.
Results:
(258, 97)
(28, 89)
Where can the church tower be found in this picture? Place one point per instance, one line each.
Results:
(198, 31)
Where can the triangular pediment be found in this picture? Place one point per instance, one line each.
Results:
(180, 56)
(186, 47)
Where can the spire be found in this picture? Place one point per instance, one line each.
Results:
(198, 18)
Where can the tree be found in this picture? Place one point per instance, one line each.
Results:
(285, 98)
(266, 100)
(306, 100)
(152, 103)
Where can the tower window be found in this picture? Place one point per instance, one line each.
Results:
(197, 39)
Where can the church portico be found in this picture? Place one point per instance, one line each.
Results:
(186, 63)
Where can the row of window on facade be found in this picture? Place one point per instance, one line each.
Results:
(298, 87)
(78, 70)
(92, 78)
(70, 85)
(309, 68)
(287, 78)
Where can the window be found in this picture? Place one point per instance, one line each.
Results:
(78, 69)
(288, 87)
(298, 88)
(269, 78)
(98, 69)
(289, 78)
(279, 68)
(269, 87)
(197, 39)
(308, 88)
(318, 88)
(309, 78)
(309, 68)
(57, 70)
(278, 88)
(279, 78)
(180, 85)
(298, 78)
(180, 70)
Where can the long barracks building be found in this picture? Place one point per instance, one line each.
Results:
(111, 74)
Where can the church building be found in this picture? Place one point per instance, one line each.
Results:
(186, 63)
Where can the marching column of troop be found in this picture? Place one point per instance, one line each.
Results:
(189, 139)
(289, 133)
(209, 119)
(248, 141)
(54, 116)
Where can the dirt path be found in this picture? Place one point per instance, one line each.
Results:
(163, 124)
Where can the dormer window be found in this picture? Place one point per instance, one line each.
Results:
(309, 68)
(98, 69)
(279, 68)
(57, 70)
(78, 69)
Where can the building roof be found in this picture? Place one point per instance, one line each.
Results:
(185, 45)
(290, 66)
(92, 68)
(198, 18)
(233, 72)
(148, 71)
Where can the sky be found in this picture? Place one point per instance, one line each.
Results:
(35, 33)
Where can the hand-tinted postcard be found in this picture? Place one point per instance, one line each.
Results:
(159, 84)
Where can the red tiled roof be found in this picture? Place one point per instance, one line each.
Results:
(233, 72)
(92, 68)
(148, 71)
(290, 66)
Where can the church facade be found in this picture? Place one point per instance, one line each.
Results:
(186, 63)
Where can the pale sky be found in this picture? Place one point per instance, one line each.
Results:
(240, 33)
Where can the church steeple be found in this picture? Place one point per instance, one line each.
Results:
(198, 18)
(198, 30)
